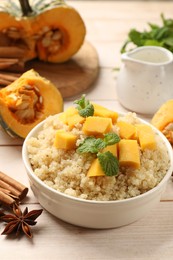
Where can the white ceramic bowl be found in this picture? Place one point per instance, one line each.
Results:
(94, 214)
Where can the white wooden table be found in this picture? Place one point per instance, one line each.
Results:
(108, 23)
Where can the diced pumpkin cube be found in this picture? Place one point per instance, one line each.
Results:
(95, 169)
(111, 148)
(65, 140)
(63, 117)
(129, 154)
(126, 130)
(104, 112)
(95, 125)
(75, 119)
(163, 116)
(68, 113)
(71, 117)
(146, 137)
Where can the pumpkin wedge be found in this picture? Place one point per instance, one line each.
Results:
(26, 102)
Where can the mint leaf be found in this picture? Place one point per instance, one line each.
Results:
(109, 163)
(84, 107)
(111, 138)
(91, 145)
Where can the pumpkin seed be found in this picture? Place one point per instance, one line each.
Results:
(46, 42)
(25, 114)
(37, 89)
(13, 29)
(48, 34)
(54, 48)
(21, 105)
(13, 32)
(28, 87)
(45, 29)
(41, 99)
(57, 35)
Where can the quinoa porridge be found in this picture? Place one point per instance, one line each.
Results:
(66, 170)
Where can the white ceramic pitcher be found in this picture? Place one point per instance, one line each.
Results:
(145, 80)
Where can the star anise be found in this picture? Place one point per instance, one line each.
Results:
(20, 221)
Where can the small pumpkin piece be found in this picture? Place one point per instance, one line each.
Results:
(126, 130)
(112, 148)
(129, 154)
(71, 117)
(95, 169)
(75, 119)
(146, 137)
(62, 117)
(163, 116)
(65, 140)
(104, 112)
(94, 125)
(68, 113)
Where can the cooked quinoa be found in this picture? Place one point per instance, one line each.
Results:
(66, 171)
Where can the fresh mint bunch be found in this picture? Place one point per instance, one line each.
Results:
(84, 107)
(155, 36)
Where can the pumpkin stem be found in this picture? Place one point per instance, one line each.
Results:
(26, 8)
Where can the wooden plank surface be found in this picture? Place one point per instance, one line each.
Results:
(150, 238)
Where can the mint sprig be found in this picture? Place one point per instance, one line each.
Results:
(109, 163)
(94, 145)
(91, 145)
(84, 107)
(156, 35)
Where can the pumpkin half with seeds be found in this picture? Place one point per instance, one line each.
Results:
(50, 30)
(26, 102)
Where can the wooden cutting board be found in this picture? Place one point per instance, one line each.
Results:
(74, 76)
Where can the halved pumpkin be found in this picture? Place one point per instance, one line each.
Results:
(51, 30)
(26, 102)
(15, 31)
(59, 31)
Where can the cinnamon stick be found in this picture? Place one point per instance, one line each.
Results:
(6, 199)
(10, 188)
(9, 76)
(11, 52)
(5, 63)
(17, 67)
(14, 185)
(4, 82)
(7, 192)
